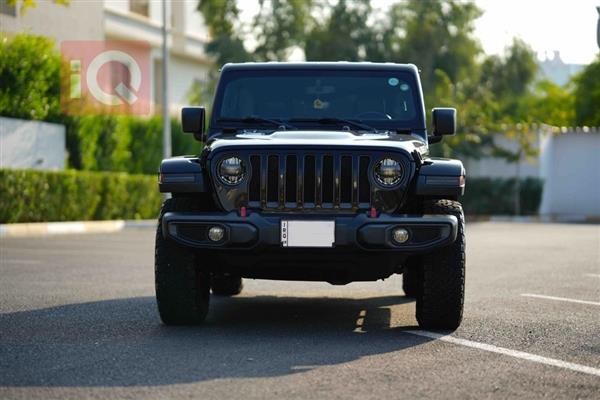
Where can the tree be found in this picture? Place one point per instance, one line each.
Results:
(587, 95)
(345, 35)
(30, 76)
(222, 20)
(435, 35)
(509, 76)
(549, 104)
(279, 26)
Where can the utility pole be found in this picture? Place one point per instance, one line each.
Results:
(598, 28)
(165, 87)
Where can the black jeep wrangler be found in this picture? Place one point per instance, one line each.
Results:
(315, 172)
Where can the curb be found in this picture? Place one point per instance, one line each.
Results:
(65, 228)
(539, 219)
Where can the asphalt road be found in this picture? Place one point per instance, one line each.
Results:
(78, 320)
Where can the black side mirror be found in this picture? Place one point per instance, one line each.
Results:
(444, 123)
(192, 121)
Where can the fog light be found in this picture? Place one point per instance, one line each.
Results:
(216, 233)
(400, 235)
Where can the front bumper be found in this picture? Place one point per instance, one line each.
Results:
(262, 230)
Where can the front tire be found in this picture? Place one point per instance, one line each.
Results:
(441, 298)
(182, 288)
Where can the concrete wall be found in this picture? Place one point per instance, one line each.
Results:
(499, 168)
(32, 144)
(569, 164)
(570, 167)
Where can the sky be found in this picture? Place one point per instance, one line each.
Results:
(568, 26)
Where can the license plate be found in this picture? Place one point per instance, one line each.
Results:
(307, 233)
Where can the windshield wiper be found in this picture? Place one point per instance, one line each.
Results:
(258, 120)
(333, 120)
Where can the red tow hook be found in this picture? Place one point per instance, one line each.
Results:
(373, 213)
(243, 212)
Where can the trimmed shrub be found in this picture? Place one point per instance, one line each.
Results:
(123, 143)
(35, 196)
(495, 196)
(30, 76)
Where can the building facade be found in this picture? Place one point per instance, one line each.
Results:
(139, 20)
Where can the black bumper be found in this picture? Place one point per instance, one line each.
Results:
(262, 230)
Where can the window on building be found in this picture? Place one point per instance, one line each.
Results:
(141, 7)
(7, 9)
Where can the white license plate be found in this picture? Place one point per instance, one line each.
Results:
(307, 233)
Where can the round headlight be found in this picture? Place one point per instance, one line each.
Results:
(388, 172)
(231, 170)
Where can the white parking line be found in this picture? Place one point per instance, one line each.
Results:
(508, 352)
(541, 296)
(593, 275)
(19, 261)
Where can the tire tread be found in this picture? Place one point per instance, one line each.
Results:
(440, 303)
(182, 289)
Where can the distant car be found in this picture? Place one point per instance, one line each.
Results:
(313, 172)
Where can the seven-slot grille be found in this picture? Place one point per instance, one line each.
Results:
(309, 181)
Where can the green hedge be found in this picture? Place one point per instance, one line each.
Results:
(496, 196)
(34, 196)
(122, 143)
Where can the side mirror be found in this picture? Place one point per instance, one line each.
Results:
(192, 121)
(444, 123)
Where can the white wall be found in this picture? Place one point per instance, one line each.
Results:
(183, 72)
(80, 20)
(569, 164)
(500, 168)
(192, 22)
(570, 167)
(187, 60)
(32, 144)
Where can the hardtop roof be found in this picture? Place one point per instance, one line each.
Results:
(339, 65)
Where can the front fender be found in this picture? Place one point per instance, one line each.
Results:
(182, 175)
(441, 177)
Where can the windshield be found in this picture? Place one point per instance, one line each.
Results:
(384, 99)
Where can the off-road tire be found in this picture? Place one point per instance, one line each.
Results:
(410, 276)
(440, 302)
(226, 285)
(182, 289)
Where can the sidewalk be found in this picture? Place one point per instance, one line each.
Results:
(64, 228)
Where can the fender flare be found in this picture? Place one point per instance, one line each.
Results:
(182, 175)
(441, 177)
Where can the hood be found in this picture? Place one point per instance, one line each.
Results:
(325, 138)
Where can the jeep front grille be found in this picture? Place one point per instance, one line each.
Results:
(309, 181)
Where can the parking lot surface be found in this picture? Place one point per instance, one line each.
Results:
(78, 320)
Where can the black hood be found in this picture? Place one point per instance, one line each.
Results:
(324, 138)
